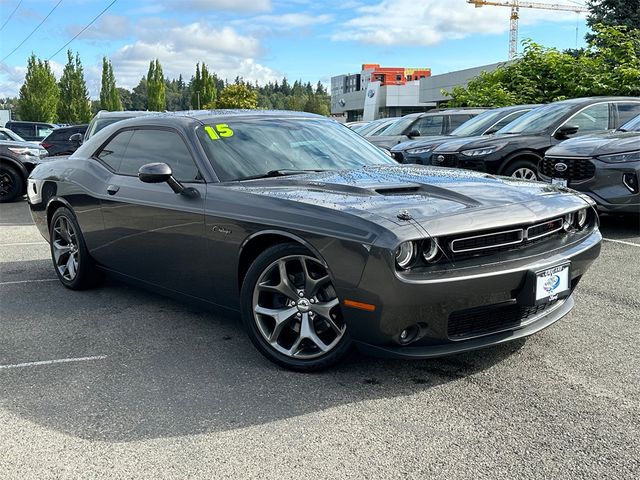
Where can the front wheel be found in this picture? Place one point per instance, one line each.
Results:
(73, 264)
(11, 183)
(522, 169)
(291, 310)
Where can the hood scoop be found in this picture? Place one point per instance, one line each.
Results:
(399, 189)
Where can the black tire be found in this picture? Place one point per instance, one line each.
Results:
(86, 275)
(515, 168)
(11, 183)
(262, 264)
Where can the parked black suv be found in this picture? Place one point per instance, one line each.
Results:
(17, 160)
(59, 143)
(516, 149)
(487, 123)
(605, 166)
(31, 131)
(435, 122)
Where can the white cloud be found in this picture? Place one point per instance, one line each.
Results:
(109, 27)
(428, 22)
(291, 20)
(215, 5)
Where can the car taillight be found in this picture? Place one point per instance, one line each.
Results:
(46, 144)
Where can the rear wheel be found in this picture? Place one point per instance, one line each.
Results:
(291, 311)
(11, 183)
(522, 169)
(73, 264)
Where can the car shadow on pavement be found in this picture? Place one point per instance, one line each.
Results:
(620, 227)
(172, 369)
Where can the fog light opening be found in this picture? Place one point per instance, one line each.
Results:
(409, 334)
(630, 180)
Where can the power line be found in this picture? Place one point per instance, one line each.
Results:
(87, 26)
(10, 15)
(32, 32)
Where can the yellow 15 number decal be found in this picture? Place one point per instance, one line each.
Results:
(221, 130)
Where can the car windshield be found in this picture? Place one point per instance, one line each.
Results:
(478, 124)
(399, 126)
(632, 125)
(100, 123)
(370, 127)
(538, 119)
(247, 147)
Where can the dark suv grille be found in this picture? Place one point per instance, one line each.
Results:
(399, 157)
(576, 168)
(444, 160)
(489, 319)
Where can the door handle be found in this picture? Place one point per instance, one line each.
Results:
(112, 189)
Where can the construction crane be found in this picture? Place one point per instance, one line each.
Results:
(515, 14)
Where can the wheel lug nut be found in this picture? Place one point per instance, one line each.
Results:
(313, 300)
(300, 293)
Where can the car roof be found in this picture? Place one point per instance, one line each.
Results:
(25, 122)
(124, 113)
(71, 127)
(582, 100)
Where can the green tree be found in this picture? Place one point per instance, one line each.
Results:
(125, 98)
(238, 95)
(316, 105)
(608, 66)
(39, 93)
(74, 105)
(613, 13)
(156, 87)
(139, 95)
(109, 97)
(203, 88)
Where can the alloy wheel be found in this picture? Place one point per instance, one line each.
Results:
(65, 248)
(296, 309)
(6, 184)
(525, 173)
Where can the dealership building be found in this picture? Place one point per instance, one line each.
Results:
(380, 92)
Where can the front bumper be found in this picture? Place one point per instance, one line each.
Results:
(611, 186)
(413, 159)
(487, 164)
(433, 301)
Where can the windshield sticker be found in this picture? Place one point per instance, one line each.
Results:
(221, 130)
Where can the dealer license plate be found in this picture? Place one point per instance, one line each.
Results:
(552, 283)
(559, 181)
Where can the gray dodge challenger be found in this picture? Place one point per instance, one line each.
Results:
(319, 240)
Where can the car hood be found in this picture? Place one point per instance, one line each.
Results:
(386, 140)
(16, 143)
(468, 143)
(422, 142)
(600, 144)
(427, 193)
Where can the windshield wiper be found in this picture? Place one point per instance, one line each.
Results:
(281, 173)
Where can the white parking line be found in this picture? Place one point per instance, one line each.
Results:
(622, 242)
(50, 362)
(22, 244)
(15, 282)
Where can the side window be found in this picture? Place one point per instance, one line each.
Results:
(592, 119)
(42, 131)
(112, 153)
(431, 125)
(149, 146)
(4, 136)
(456, 120)
(626, 111)
(23, 130)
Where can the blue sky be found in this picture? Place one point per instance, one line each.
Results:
(266, 39)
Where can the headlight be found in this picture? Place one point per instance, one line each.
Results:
(430, 250)
(35, 152)
(569, 218)
(621, 157)
(404, 254)
(477, 152)
(415, 151)
(582, 218)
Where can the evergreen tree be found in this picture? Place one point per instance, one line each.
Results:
(74, 105)
(156, 88)
(203, 88)
(238, 95)
(109, 96)
(614, 13)
(39, 94)
(139, 95)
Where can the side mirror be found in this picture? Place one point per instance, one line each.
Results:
(159, 173)
(76, 138)
(564, 131)
(413, 133)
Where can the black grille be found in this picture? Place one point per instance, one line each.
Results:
(489, 319)
(444, 160)
(482, 242)
(576, 168)
(399, 157)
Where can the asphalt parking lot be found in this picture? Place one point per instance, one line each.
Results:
(121, 383)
